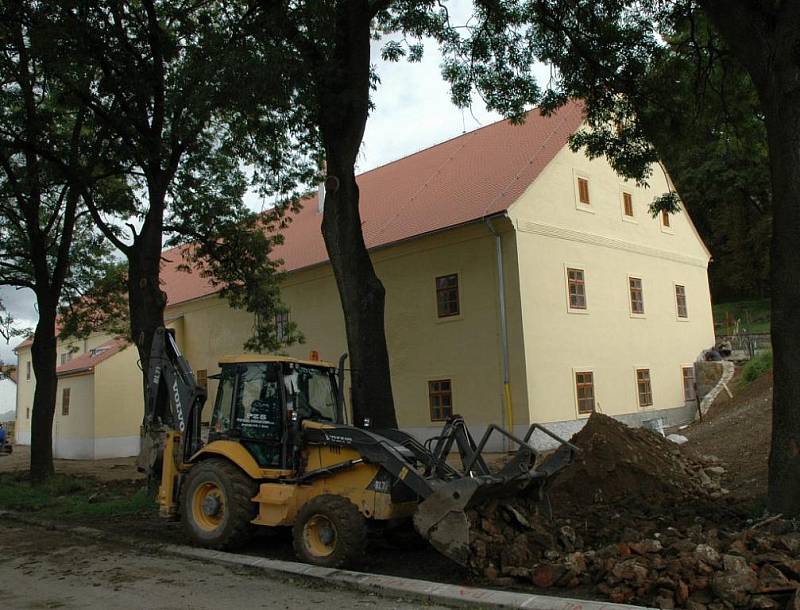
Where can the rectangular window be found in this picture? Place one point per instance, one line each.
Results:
(28, 369)
(66, 357)
(645, 389)
(584, 390)
(576, 286)
(680, 301)
(583, 191)
(637, 295)
(665, 218)
(27, 412)
(447, 303)
(440, 397)
(688, 383)
(281, 325)
(627, 204)
(202, 378)
(65, 402)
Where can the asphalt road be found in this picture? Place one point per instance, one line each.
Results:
(47, 569)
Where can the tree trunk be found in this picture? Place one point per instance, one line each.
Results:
(766, 40)
(783, 131)
(344, 106)
(146, 299)
(43, 357)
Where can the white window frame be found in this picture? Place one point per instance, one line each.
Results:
(625, 218)
(573, 380)
(636, 369)
(675, 301)
(583, 207)
(581, 267)
(630, 301)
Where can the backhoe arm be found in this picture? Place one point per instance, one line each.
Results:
(173, 402)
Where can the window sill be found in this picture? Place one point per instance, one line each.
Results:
(639, 316)
(583, 312)
(446, 319)
(629, 219)
(585, 208)
(680, 319)
(667, 230)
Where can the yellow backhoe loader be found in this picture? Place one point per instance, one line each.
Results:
(279, 453)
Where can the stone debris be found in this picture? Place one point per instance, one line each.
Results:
(635, 522)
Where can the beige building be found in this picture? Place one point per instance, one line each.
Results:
(524, 281)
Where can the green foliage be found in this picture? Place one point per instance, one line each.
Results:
(751, 316)
(68, 497)
(756, 367)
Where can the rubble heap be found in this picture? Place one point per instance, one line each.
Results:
(633, 521)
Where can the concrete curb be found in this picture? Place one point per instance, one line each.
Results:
(390, 586)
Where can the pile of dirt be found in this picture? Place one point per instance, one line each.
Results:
(621, 464)
(635, 521)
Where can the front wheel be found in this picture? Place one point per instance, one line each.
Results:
(217, 506)
(330, 531)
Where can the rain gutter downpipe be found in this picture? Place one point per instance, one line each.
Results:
(508, 407)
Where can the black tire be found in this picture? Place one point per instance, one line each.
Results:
(330, 531)
(223, 522)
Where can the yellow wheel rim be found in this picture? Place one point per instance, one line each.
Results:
(208, 506)
(319, 535)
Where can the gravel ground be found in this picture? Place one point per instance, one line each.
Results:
(47, 569)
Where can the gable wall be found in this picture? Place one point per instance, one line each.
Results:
(553, 233)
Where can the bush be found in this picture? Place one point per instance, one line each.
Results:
(756, 367)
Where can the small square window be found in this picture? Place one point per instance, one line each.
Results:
(645, 389)
(689, 392)
(627, 204)
(65, 401)
(637, 295)
(440, 398)
(447, 297)
(576, 286)
(583, 191)
(680, 301)
(281, 325)
(584, 391)
(665, 218)
(202, 378)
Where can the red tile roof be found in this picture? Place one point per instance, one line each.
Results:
(85, 363)
(463, 179)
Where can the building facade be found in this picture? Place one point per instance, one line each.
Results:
(524, 283)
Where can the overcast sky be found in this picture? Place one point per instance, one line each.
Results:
(412, 111)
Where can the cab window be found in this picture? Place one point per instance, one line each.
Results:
(258, 403)
(310, 391)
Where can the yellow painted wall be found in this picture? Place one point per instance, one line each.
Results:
(118, 397)
(422, 347)
(555, 232)
(72, 433)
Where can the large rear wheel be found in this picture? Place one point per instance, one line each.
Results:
(330, 531)
(217, 506)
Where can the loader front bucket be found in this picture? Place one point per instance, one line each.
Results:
(442, 519)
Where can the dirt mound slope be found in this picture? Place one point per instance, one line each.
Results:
(633, 465)
(737, 430)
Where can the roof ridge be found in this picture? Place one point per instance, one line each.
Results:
(442, 143)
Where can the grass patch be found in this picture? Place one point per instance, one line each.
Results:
(73, 497)
(753, 316)
(756, 367)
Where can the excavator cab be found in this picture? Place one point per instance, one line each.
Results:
(261, 399)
